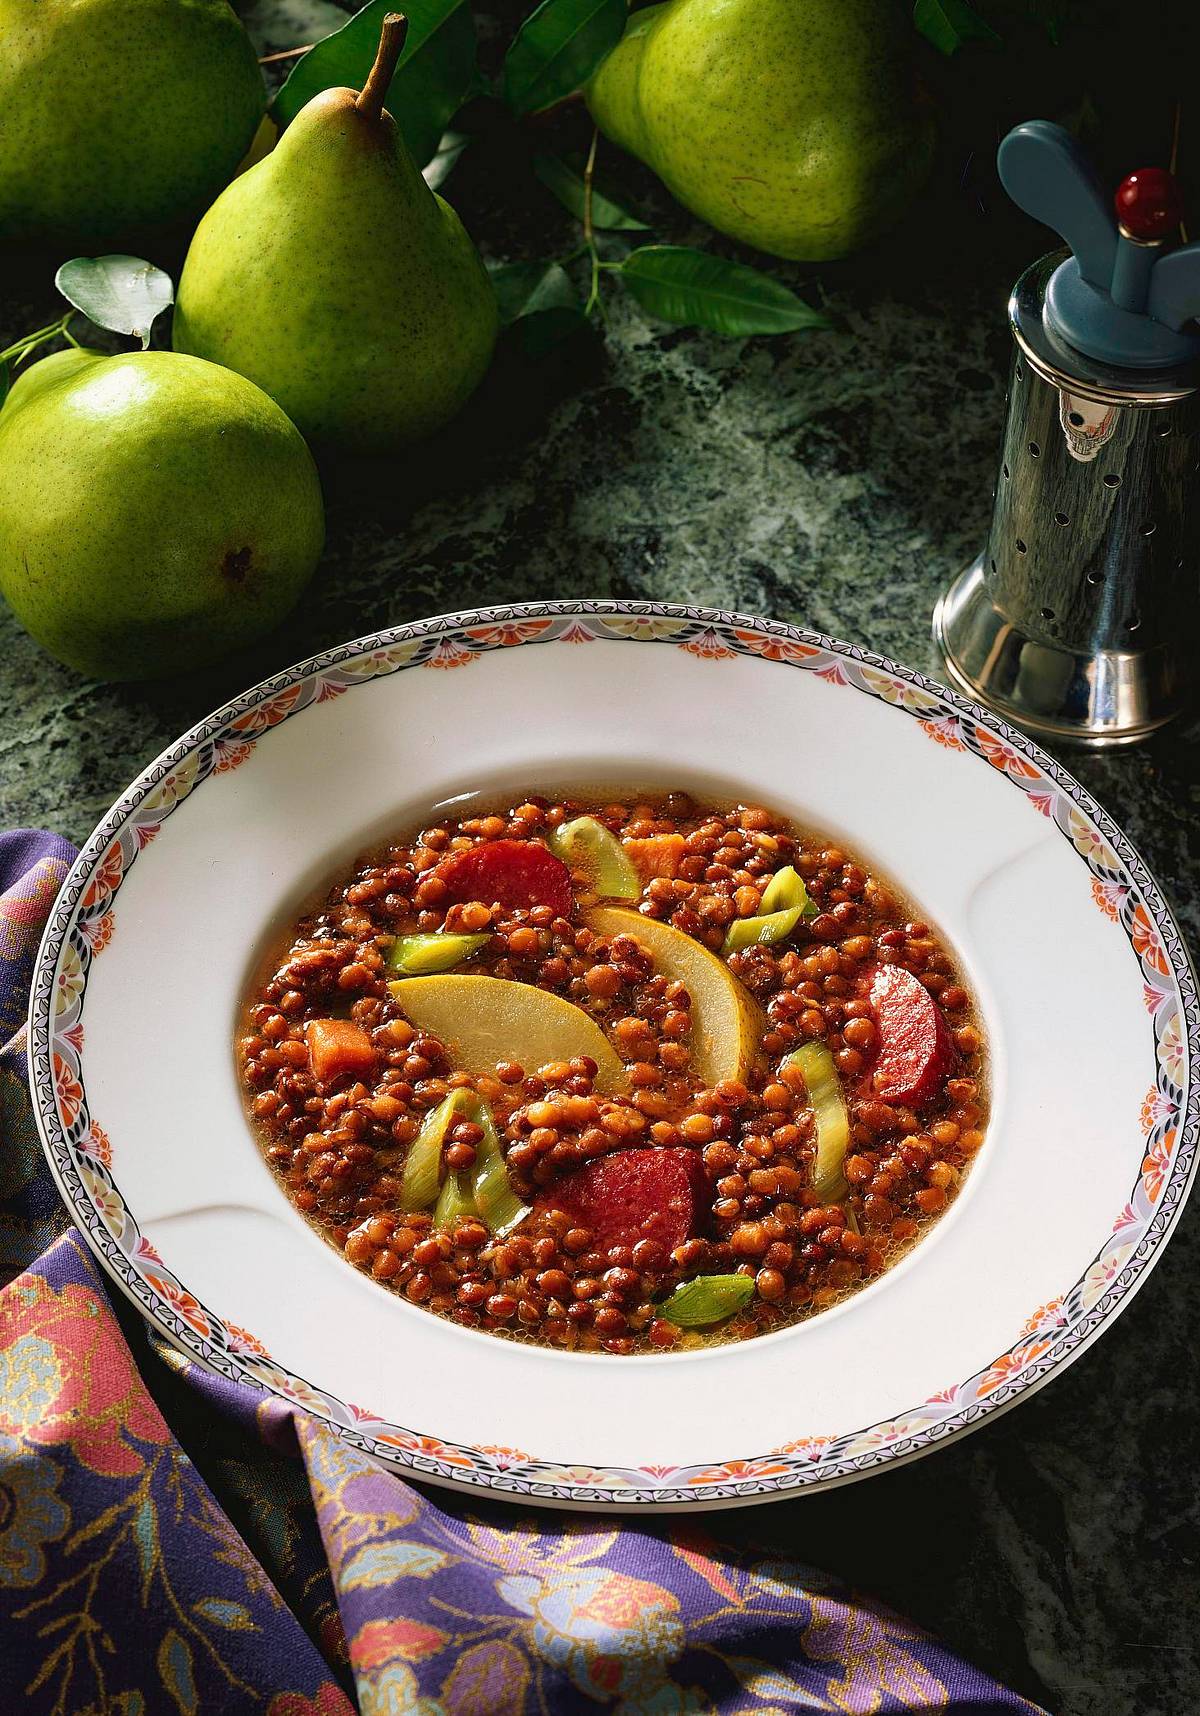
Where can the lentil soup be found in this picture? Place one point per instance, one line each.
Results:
(616, 1076)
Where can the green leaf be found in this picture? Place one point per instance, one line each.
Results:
(175, 1670)
(557, 49)
(435, 74)
(565, 182)
(4, 382)
(950, 23)
(539, 304)
(439, 168)
(524, 288)
(693, 289)
(122, 293)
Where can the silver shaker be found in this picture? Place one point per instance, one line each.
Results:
(1080, 620)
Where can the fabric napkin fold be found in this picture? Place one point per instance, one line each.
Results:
(298, 1578)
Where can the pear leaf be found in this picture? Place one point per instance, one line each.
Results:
(524, 288)
(557, 49)
(563, 180)
(437, 170)
(539, 303)
(696, 290)
(121, 293)
(950, 23)
(434, 77)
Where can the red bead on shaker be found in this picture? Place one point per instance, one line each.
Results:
(1148, 203)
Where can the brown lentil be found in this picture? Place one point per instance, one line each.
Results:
(338, 1145)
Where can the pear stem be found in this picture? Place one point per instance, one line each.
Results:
(28, 343)
(391, 45)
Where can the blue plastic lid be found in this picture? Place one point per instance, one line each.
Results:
(1126, 301)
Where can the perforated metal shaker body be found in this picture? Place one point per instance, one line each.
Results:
(1081, 617)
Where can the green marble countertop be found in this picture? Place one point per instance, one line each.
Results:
(837, 480)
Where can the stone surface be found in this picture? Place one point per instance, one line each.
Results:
(837, 480)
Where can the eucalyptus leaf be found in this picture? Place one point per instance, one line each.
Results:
(564, 181)
(435, 75)
(443, 163)
(948, 24)
(557, 49)
(524, 288)
(693, 289)
(121, 293)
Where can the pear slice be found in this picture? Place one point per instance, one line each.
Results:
(727, 1024)
(486, 1020)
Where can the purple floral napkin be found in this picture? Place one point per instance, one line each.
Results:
(295, 1576)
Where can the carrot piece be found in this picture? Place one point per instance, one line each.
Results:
(656, 855)
(338, 1046)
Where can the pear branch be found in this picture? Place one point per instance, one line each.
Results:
(588, 173)
(285, 54)
(391, 45)
(589, 237)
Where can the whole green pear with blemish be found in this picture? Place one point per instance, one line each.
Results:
(119, 118)
(156, 511)
(334, 277)
(788, 124)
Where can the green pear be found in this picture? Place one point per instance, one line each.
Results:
(48, 372)
(119, 118)
(332, 276)
(156, 511)
(788, 124)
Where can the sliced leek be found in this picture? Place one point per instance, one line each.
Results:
(484, 1190)
(456, 1200)
(785, 890)
(496, 1204)
(422, 955)
(769, 927)
(824, 1088)
(707, 1299)
(587, 845)
(423, 1164)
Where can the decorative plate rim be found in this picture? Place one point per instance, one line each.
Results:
(1055, 1333)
